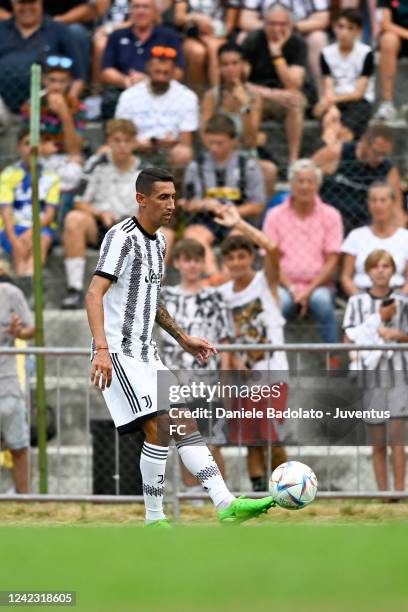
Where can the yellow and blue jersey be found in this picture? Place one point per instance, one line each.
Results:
(16, 191)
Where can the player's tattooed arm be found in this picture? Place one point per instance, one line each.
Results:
(166, 322)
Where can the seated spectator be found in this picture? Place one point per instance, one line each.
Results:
(222, 174)
(311, 20)
(128, 50)
(16, 235)
(381, 233)
(106, 195)
(114, 15)
(23, 38)
(235, 98)
(276, 57)
(348, 82)
(62, 121)
(393, 44)
(379, 316)
(309, 235)
(164, 111)
(253, 299)
(16, 322)
(205, 24)
(350, 169)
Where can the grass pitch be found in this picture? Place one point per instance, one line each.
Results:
(332, 557)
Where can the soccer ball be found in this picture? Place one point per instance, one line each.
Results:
(293, 485)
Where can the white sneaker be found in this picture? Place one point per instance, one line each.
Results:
(386, 112)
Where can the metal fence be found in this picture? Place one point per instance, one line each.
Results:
(86, 466)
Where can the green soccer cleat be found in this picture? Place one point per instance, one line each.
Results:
(161, 523)
(243, 509)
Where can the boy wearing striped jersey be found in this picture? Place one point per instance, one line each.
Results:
(123, 301)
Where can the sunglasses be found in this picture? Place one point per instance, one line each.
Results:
(55, 61)
(168, 52)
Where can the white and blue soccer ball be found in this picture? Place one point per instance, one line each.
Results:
(293, 485)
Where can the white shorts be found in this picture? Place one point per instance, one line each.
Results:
(132, 396)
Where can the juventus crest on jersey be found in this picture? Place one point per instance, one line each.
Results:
(133, 259)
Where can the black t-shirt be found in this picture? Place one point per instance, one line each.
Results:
(398, 9)
(258, 55)
(51, 7)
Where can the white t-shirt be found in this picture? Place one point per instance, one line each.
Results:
(361, 242)
(156, 116)
(346, 70)
(258, 320)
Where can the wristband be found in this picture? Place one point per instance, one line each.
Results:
(279, 60)
(102, 348)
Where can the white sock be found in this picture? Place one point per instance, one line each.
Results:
(75, 270)
(153, 466)
(199, 461)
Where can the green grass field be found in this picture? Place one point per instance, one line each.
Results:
(331, 557)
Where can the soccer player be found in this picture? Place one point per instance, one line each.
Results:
(123, 301)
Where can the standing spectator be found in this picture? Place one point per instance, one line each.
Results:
(62, 121)
(309, 235)
(276, 57)
(235, 98)
(222, 174)
(350, 169)
(382, 233)
(164, 111)
(28, 37)
(200, 310)
(253, 300)
(16, 235)
(379, 316)
(16, 321)
(129, 49)
(311, 20)
(105, 196)
(205, 24)
(348, 82)
(393, 44)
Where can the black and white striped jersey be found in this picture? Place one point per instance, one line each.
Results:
(133, 259)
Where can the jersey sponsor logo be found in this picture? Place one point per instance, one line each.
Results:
(153, 278)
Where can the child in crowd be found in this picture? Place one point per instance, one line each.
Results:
(347, 67)
(253, 300)
(16, 222)
(380, 316)
(200, 311)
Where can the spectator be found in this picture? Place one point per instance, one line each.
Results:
(379, 316)
(24, 39)
(309, 235)
(276, 57)
(311, 20)
(348, 83)
(114, 15)
(350, 169)
(393, 44)
(205, 24)
(201, 310)
(106, 195)
(254, 303)
(16, 321)
(380, 234)
(129, 49)
(62, 120)
(222, 174)
(235, 98)
(164, 111)
(16, 235)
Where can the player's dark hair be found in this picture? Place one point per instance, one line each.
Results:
(352, 15)
(236, 243)
(221, 124)
(148, 177)
(230, 47)
(190, 248)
